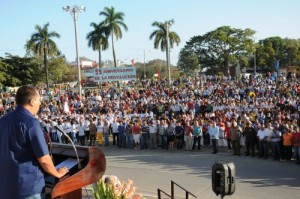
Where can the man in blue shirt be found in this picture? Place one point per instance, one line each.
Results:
(23, 150)
(179, 134)
(214, 135)
(121, 134)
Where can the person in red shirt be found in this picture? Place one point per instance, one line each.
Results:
(190, 105)
(287, 144)
(227, 135)
(188, 136)
(148, 93)
(136, 131)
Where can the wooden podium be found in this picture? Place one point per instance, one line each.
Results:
(93, 165)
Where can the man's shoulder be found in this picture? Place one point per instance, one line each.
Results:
(19, 117)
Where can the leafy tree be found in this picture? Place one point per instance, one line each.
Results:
(113, 22)
(290, 52)
(188, 61)
(22, 70)
(160, 36)
(4, 68)
(97, 39)
(271, 49)
(158, 65)
(265, 54)
(28, 70)
(222, 47)
(59, 71)
(41, 44)
(152, 67)
(72, 75)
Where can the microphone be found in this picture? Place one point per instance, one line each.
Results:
(79, 165)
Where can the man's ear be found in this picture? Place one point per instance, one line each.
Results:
(31, 102)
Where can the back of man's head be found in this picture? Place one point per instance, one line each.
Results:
(25, 94)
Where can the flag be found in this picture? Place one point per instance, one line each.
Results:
(158, 74)
(95, 64)
(132, 62)
(277, 65)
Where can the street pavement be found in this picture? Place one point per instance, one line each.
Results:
(155, 168)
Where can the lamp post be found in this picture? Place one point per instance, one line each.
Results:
(144, 66)
(254, 57)
(74, 11)
(167, 24)
(254, 62)
(144, 63)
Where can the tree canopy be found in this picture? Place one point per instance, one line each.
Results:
(224, 46)
(272, 49)
(188, 61)
(113, 22)
(41, 44)
(17, 71)
(98, 38)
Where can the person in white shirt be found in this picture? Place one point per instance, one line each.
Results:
(81, 132)
(100, 131)
(59, 134)
(74, 130)
(214, 135)
(222, 140)
(68, 129)
(114, 130)
(54, 132)
(153, 130)
(262, 137)
(86, 124)
(269, 130)
(276, 138)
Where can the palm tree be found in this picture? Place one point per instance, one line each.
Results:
(97, 39)
(160, 36)
(41, 44)
(113, 21)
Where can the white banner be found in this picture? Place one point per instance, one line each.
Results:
(115, 74)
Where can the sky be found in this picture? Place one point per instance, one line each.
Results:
(192, 18)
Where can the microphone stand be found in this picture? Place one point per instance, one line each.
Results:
(65, 134)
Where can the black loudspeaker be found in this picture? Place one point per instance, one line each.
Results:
(223, 178)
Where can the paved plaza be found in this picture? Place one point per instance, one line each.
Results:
(152, 169)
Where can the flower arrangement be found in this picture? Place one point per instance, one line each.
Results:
(110, 187)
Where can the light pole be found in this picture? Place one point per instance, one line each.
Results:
(74, 11)
(254, 62)
(168, 23)
(144, 66)
(254, 59)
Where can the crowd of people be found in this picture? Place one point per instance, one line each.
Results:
(259, 115)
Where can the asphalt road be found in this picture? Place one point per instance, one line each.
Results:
(155, 168)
